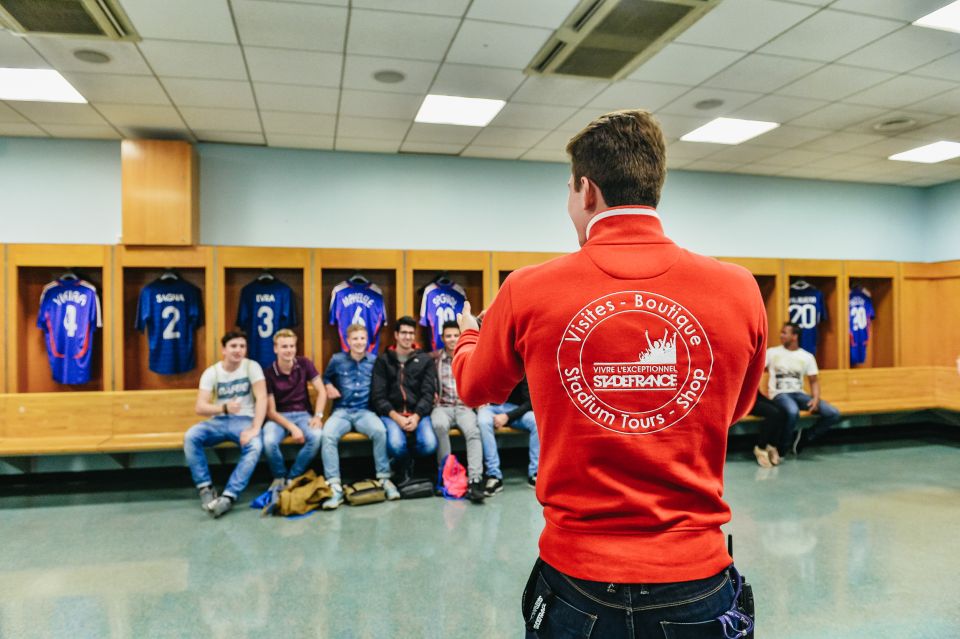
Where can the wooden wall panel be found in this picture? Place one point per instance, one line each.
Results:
(469, 269)
(160, 192)
(503, 263)
(930, 314)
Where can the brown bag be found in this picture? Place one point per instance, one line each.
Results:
(304, 495)
(366, 491)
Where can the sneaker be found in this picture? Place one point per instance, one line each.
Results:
(532, 481)
(391, 491)
(494, 486)
(795, 447)
(220, 506)
(207, 495)
(475, 492)
(774, 454)
(278, 484)
(763, 457)
(333, 502)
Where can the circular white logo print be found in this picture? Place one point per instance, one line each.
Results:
(634, 362)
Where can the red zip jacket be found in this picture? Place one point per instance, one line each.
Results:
(640, 355)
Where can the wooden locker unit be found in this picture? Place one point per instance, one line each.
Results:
(469, 269)
(160, 185)
(769, 276)
(930, 305)
(882, 281)
(238, 266)
(30, 267)
(382, 267)
(505, 262)
(135, 267)
(827, 276)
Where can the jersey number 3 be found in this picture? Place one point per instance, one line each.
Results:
(265, 313)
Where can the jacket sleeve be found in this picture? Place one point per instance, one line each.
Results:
(754, 372)
(330, 374)
(378, 388)
(522, 397)
(486, 363)
(428, 388)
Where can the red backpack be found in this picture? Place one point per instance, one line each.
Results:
(453, 478)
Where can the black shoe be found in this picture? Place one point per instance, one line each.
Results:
(532, 481)
(492, 487)
(475, 491)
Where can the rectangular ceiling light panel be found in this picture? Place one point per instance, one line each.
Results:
(37, 85)
(729, 131)
(946, 18)
(931, 153)
(451, 109)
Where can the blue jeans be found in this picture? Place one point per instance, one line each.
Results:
(339, 424)
(491, 458)
(216, 430)
(792, 404)
(426, 441)
(576, 608)
(273, 435)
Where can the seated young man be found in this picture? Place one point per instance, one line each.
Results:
(450, 411)
(404, 383)
(233, 396)
(289, 410)
(347, 380)
(517, 412)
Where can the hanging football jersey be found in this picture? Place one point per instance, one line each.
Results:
(359, 303)
(266, 306)
(170, 310)
(861, 314)
(807, 310)
(69, 313)
(442, 302)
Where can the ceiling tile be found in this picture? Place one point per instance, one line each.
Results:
(922, 120)
(221, 119)
(537, 155)
(685, 64)
(760, 169)
(689, 151)
(496, 45)
(883, 149)
(9, 115)
(141, 115)
(454, 8)
(674, 164)
(676, 126)
(558, 91)
(377, 104)
(281, 140)
(842, 162)
(744, 24)
(554, 141)
(830, 34)
(834, 82)
(946, 104)
(740, 154)
(507, 137)
(549, 14)
(124, 57)
(229, 137)
(841, 142)
(795, 157)
(18, 54)
(761, 73)
(580, 119)
(904, 10)
(359, 70)
(905, 49)
(436, 148)
(711, 165)
(947, 67)
(311, 124)
(948, 129)
(405, 35)
(686, 104)
(367, 145)
(288, 97)
(539, 116)
(311, 68)
(900, 91)
(492, 152)
(290, 26)
(445, 133)
(227, 94)
(777, 108)
(22, 129)
(788, 136)
(129, 89)
(179, 59)
(380, 128)
(57, 113)
(198, 20)
(838, 116)
(628, 94)
(477, 82)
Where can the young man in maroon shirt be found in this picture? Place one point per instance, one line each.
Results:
(639, 355)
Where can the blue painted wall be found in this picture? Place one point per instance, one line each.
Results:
(943, 229)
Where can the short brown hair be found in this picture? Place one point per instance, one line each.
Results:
(234, 334)
(283, 332)
(624, 154)
(353, 328)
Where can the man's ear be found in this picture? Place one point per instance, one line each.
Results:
(589, 192)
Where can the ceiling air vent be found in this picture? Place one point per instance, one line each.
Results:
(98, 19)
(608, 39)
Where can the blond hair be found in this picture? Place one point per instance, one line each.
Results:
(283, 332)
(353, 328)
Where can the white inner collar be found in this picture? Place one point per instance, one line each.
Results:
(620, 211)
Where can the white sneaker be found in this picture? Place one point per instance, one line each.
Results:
(333, 502)
(278, 484)
(392, 493)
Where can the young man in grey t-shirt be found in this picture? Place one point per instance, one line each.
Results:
(233, 396)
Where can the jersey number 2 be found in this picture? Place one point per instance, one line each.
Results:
(172, 313)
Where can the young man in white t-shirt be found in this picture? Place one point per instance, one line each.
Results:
(788, 365)
(233, 395)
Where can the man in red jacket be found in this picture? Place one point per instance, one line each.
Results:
(639, 355)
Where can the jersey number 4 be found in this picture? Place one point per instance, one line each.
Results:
(70, 320)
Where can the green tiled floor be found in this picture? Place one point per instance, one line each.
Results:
(860, 541)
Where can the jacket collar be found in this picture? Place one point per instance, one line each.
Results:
(608, 226)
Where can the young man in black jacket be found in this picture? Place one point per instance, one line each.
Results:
(402, 391)
(517, 412)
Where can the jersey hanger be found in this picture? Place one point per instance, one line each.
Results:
(358, 279)
(170, 274)
(266, 276)
(69, 275)
(800, 284)
(442, 279)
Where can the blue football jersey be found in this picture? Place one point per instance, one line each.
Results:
(861, 312)
(358, 304)
(441, 303)
(170, 311)
(807, 310)
(69, 313)
(266, 306)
